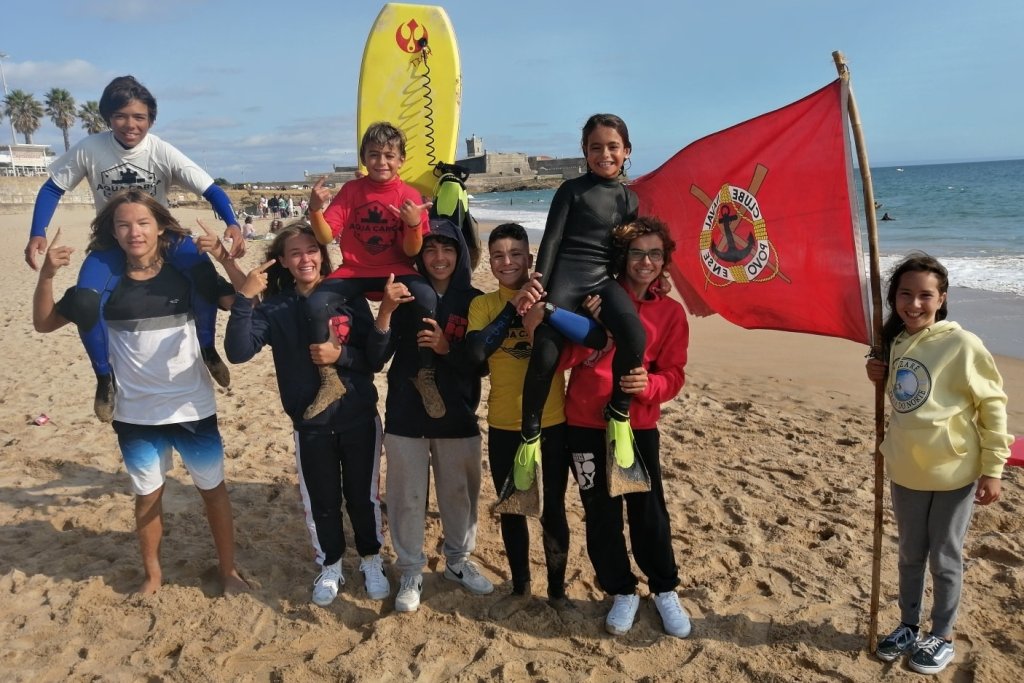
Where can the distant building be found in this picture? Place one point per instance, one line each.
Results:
(474, 146)
(25, 160)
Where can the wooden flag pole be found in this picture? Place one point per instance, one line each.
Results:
(876, 351)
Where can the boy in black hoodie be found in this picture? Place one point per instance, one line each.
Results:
(413, 441)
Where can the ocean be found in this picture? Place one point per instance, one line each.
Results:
(963, 214)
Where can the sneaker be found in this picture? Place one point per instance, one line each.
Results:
(103, 404)
(377, 586)
(327, 583)
(408, 598)
(620, 616)
(932, 655)
(902, 640)
(673, 617)
(469, 576)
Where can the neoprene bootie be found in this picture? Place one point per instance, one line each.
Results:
(331, 389)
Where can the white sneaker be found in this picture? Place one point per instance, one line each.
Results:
(620, 616)
(469, 576)
(408, 598)
(673, 617)
(377, 586)
(327, 583)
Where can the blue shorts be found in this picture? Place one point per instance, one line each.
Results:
(146, 450)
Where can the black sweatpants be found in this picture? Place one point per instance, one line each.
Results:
(337, 467)
(515, 533)
(650, 534)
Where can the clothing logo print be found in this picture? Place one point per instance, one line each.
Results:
(455, 328)
(341, 325)
(911, 386)
(127, 176)
(374, 227)
(517, 344)
(734, 244)
(586, 470)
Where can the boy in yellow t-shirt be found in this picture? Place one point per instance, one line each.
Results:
(496, 336)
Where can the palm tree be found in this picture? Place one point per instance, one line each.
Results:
(60, 107)
(92, 120)
(24, 111)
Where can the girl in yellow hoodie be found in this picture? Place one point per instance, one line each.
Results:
(944, 451)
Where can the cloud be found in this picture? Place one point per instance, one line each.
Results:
(76, 74)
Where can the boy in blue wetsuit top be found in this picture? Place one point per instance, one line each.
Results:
(128, 156)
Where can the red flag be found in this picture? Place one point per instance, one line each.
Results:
(764, 223)
(1017, 452)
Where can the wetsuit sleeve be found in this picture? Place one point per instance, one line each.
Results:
(665, 375)
(480, 344)
(558, 215)
(579, 329)
(69, 306)
(221, 204)
(247, 331)
(46, 204)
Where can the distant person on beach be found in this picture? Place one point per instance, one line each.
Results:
(498, 339)
(380, 223)
(642, 248)
(337, 452)
(166, 396)
(248, 229)
(944, 451)
(573, 262)
(416, 444)
(128, 156)
(886, 217)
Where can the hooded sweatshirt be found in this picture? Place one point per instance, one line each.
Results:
(457, 381)
(948, 423)
(590, 384)
(280, 321)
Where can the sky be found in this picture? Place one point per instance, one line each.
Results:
(261, 91)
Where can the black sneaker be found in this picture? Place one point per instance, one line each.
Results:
(932, 655)
(103, 404)
(898, 643)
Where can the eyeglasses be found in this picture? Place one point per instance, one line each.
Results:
(656, 255)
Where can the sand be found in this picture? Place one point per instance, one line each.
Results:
(768, 474)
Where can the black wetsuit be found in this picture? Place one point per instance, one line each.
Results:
(574, 260)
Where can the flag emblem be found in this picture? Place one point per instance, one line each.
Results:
(733, 242)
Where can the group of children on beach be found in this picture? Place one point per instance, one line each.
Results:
(145, 304)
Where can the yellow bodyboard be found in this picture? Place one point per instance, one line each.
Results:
(410, 77)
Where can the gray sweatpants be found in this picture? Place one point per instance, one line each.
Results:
(932, 526)
(456, 464)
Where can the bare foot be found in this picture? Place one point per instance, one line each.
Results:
(149, 586)
(234, 584)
